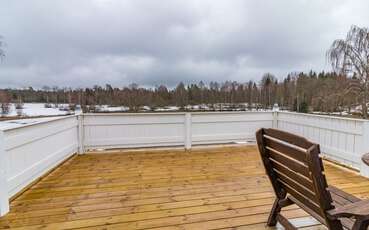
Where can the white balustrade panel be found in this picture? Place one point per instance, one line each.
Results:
(32, 150)
(133, 130)
(340, 139)
(29, 151)
(226, 127)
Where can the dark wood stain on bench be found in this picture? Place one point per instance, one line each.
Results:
(296, 172)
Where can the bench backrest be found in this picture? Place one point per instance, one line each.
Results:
(294, 167)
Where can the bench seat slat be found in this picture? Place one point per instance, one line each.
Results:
(347, 196)
(341, 198)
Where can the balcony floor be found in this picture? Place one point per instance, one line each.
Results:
(206, 188)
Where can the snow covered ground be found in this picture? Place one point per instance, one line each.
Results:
(35, 109)
(38, 109)
(106, 108)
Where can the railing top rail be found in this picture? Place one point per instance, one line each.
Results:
(132, 114)
(325, 116)
(36, 121)
(172, 113)
(18, 124)
(230, 112)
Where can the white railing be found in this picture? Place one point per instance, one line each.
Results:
(226, 127)
(342, 139)
(171, 129)
(133, 130)
(29, 151)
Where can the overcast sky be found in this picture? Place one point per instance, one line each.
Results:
(151, 42)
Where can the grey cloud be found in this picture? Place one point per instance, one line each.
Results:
(82, 43)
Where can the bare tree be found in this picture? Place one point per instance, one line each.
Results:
(266, 85)
(303, 92)
(180, 95)
(4, 102)
(2, 53)
(351, 56)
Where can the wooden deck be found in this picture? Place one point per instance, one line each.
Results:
(207, 188)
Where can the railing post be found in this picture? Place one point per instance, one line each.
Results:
(275, 116)
(364, 169)
(81, 148)
(4, 197)
(188, 131)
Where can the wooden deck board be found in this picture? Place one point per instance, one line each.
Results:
(207, 188)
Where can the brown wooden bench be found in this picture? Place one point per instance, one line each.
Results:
(297, 175)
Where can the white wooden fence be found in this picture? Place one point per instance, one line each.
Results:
(226, 127)
(29, 151)
(342, 139)
(171, 129)
(133, 130)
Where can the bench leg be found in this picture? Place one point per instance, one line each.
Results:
(285, 223)
(276, 209)
(334, 224)
(360, 225)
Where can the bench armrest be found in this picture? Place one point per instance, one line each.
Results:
(365, 158)
(358, 210)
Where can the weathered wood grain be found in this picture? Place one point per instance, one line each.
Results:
(207, 188)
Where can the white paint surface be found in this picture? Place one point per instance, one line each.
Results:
(31, 147)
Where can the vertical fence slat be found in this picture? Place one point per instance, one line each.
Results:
(364, 169)
(275, 119)
(81, 148)
(4, 196)
(188, 131)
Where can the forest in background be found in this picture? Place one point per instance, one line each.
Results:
(302, 92)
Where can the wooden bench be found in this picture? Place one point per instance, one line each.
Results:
(297, 175)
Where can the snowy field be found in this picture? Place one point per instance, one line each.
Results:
(35, 109)
(38, 109)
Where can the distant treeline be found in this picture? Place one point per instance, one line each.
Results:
(303, 92)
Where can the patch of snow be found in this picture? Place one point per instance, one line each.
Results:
(35, 109)
(167, 109)
(145, 108)
(106, 108)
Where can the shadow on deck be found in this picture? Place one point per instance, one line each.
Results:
(206, 188)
